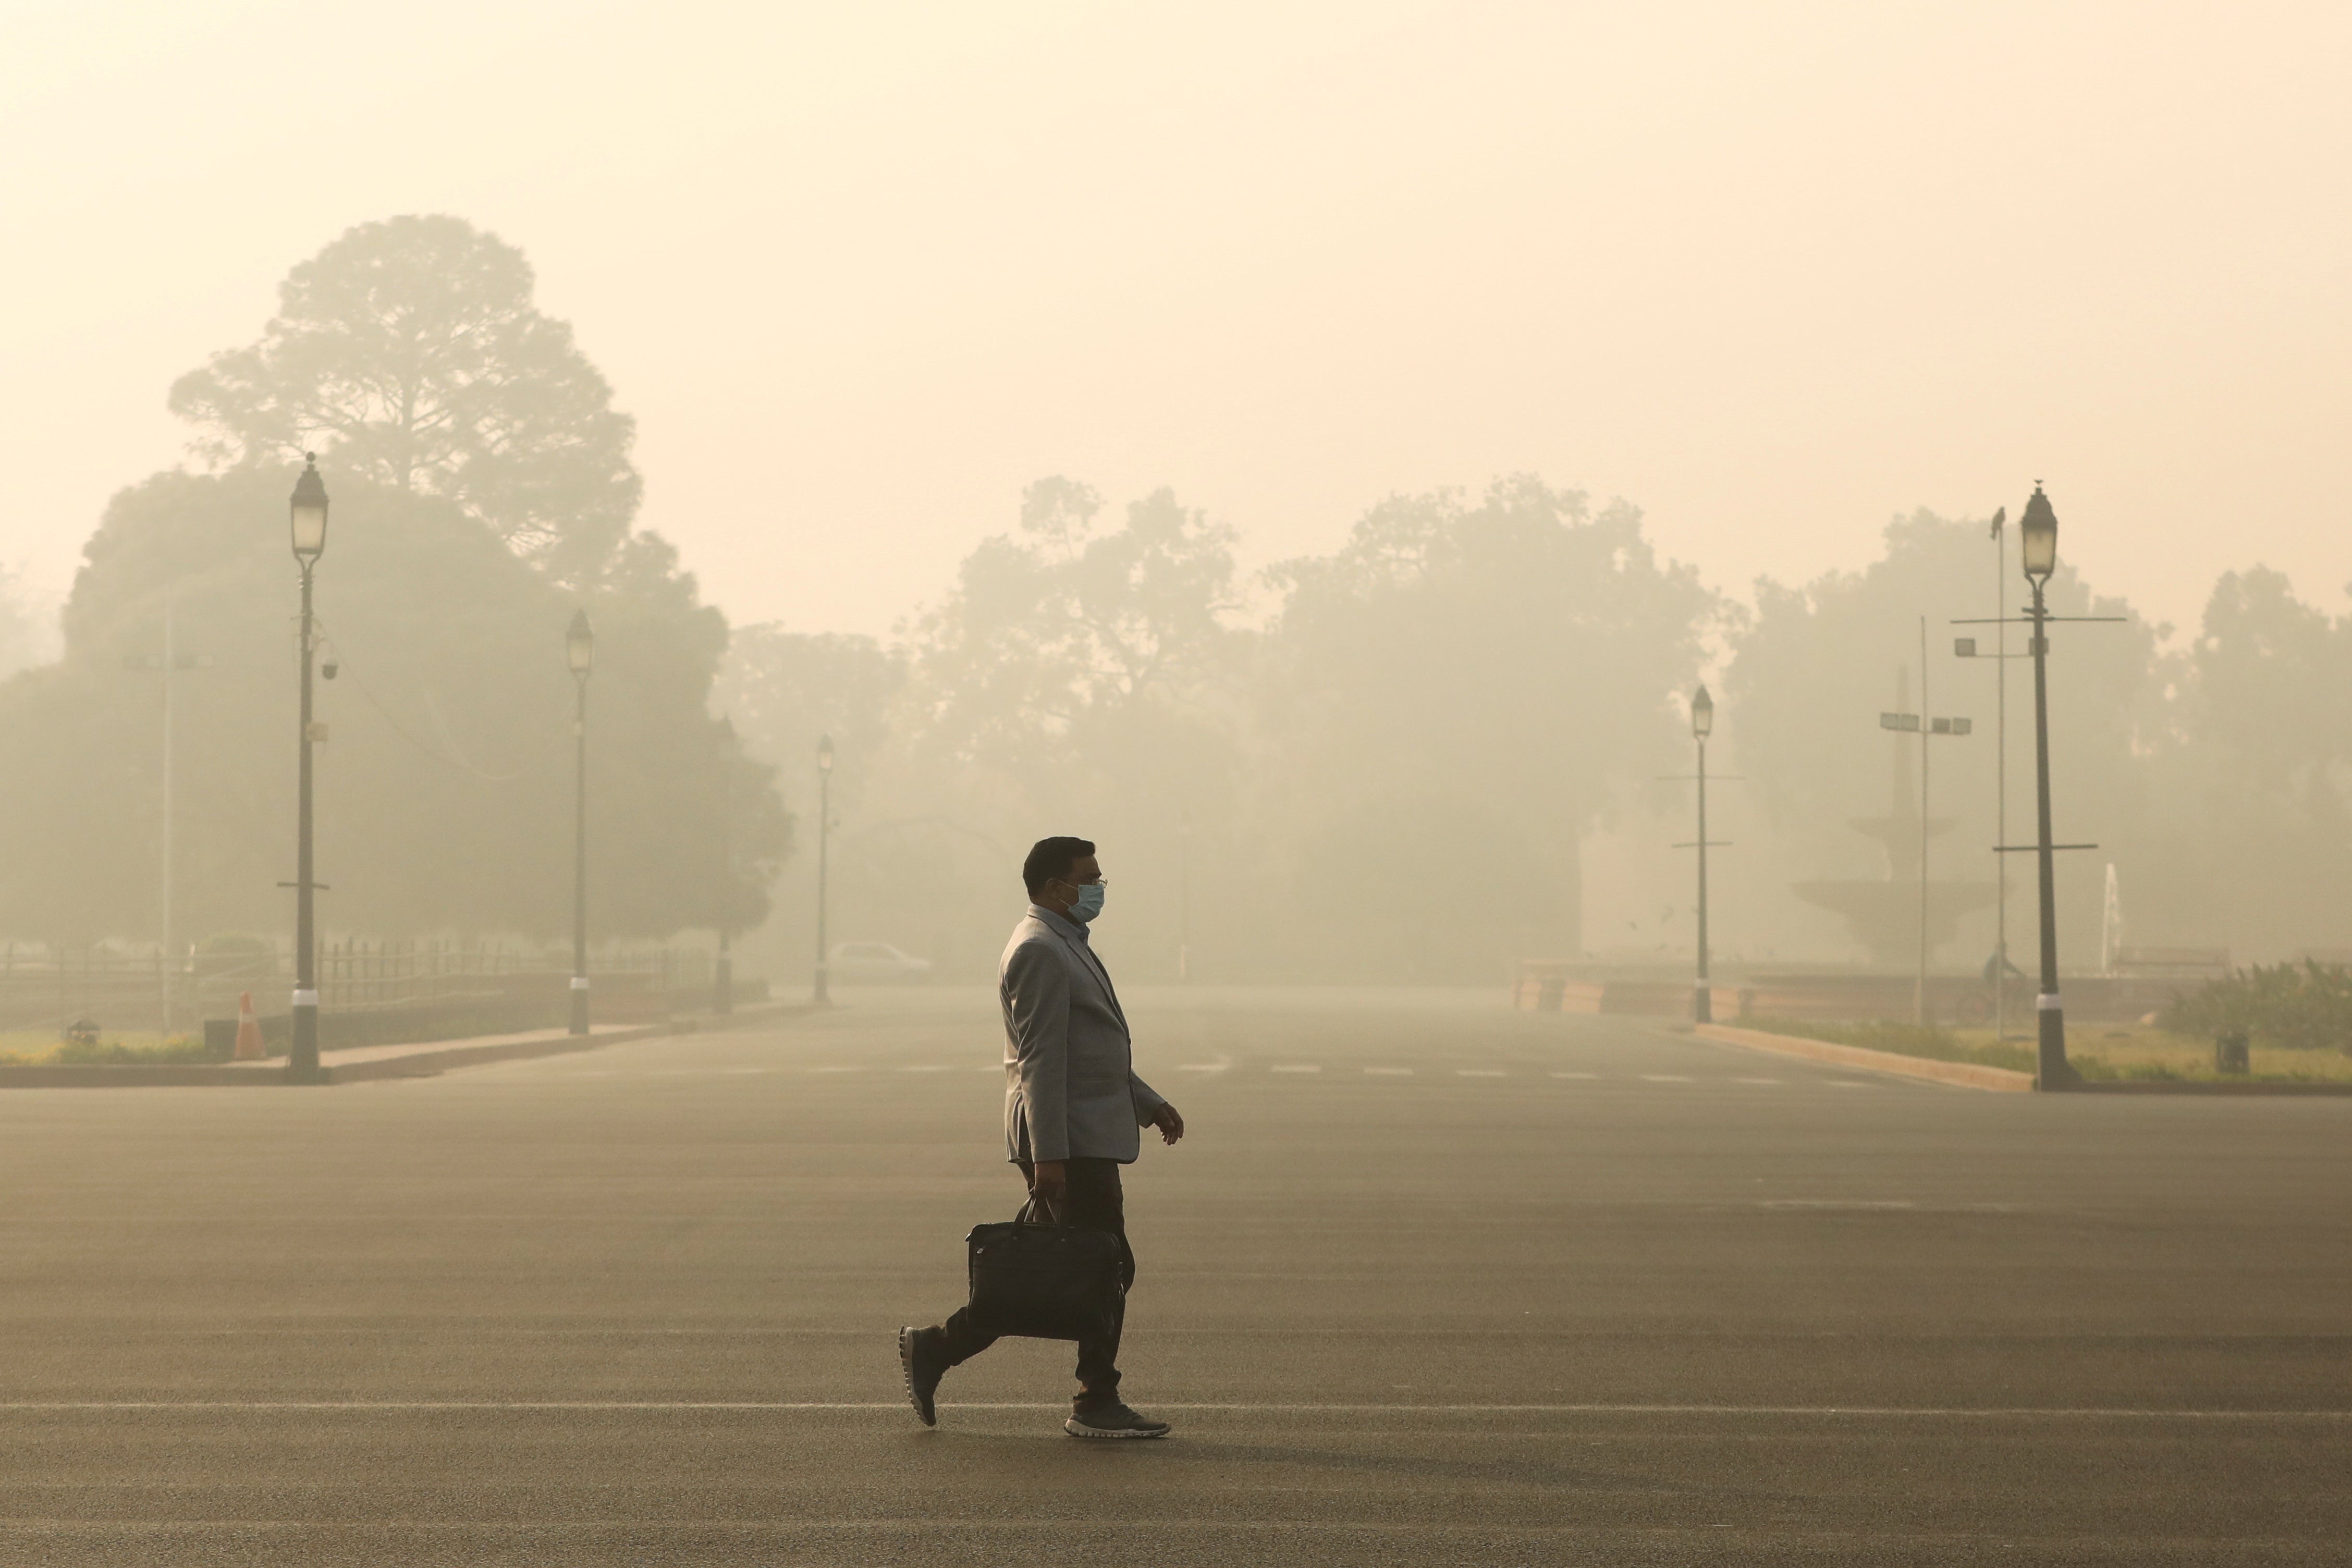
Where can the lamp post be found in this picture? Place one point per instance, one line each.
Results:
(1702, 725)
(722, 979)
(824, 839)
(2039, 531)
(580, 652)
(1184, 896)
(307, 515)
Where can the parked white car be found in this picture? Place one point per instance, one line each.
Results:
(874, 963)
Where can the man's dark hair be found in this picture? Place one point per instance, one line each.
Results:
(1050, 860)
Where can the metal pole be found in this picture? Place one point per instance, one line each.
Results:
(2000, 793)
(1184, 900)
(723, 986)
(2054, 1071)
(164, 962)
(579, 859)
(1926, 726)
(302, 1056)
(823, 837)
(1703, 992)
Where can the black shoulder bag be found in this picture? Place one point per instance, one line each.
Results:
(1043, 1281)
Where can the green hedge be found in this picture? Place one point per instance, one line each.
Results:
(2306, 1006)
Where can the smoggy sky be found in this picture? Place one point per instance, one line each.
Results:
(861, 271)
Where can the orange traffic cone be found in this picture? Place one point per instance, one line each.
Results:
(248, 1030)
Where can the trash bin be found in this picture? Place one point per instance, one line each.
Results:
(2229, 1054)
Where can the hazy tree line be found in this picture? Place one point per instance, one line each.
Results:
(481, 491)
(1381, 763)
(1384, 762)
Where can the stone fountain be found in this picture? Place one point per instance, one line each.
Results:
(1884, 915)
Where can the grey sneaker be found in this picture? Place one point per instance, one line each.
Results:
(1112, 1420)
(918, 1359)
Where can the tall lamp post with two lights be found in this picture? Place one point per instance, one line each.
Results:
(580, 653)
(824, 845)
(308, 511)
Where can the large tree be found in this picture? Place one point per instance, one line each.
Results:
(409, 352)
(2251, 845)
(1081, 677)
(1455, 697)
(445, 782)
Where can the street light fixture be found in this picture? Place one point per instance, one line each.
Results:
(1702, 726)
(580, 652)
(723, 986)
(308, 516)
(2038, 529)
(2039, 551)
(1184, 896)
(2040, 532)
(824, 845)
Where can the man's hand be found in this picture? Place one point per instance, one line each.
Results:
(1171, 1125)
(1049, 1184)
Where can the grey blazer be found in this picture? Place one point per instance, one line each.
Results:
(1070, 1088)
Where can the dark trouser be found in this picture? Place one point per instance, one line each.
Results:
(1095, 1201)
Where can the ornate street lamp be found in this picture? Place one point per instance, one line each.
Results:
(722, 979)
(580, 651)
(823, 837)
(1702, 726)
(1184, 896)
(308, 514)
(2039, 530)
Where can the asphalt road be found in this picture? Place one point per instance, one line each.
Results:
(1430, 1283)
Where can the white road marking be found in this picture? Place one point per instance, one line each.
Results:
(1849, 1083)
(1203, 1066)
(1575, 1075)
(899, 1406)
(1664, 1077)
(1286, 1068)
(926, 1067)
(1389, 1072)
(742, 1072)
(1755, 1080)
(1479, 1072)
(836, 1069)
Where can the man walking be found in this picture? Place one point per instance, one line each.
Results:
(1072, 1108)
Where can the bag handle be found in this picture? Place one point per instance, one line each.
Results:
(1032, 1209)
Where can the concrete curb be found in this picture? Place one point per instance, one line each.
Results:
(2203, 1086)
(1959, 1075)
(440, 1056)
(367, 1063)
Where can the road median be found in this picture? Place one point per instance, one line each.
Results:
(1958, 1075)
(362, 1064)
